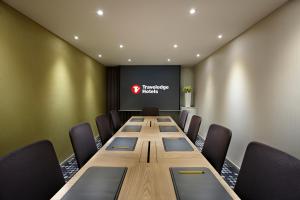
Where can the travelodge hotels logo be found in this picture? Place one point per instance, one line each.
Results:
(148, 89)
(135, 89)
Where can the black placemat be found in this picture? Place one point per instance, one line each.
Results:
(177, 144)
(168, 129)
(193, 183)
(137, 119)
(163, 119)
(97, 183)
(122, 144)
(132, 128)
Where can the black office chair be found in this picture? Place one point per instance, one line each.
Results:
(216, 145)
(83, 143)
(182, 119)
(104, 128)
(150, 111)
(267, 173)
(32, 172)
(116, 121)
(194, 128)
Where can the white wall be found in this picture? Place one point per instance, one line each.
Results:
(252, 85)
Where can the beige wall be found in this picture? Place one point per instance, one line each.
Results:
(252, 85)
(46, 85)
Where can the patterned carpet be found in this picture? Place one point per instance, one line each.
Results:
(229, 171)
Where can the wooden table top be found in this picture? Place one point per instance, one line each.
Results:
(147, 180)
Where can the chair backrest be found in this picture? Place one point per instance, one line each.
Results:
(267, 173)
(83, 143)
(116, 121)
(32, 172)
(182, 119)
(150, 111)
(194, 128)
(104, 128)
(216, 145)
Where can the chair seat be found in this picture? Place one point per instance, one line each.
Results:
(104, 128)
(116, 121)
(32, 172)
(83, 143)
(150, 111)
(194, 128)
(268, 173)
(216, 145)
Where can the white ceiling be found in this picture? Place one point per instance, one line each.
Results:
(147, 28)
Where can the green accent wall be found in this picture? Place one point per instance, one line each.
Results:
(46, 85)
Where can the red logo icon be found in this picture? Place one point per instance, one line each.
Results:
(135, 89)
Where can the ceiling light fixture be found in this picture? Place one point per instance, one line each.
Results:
(220, 36)
(198, 55)
(76, 37)
(175, 46)
(129, 60)
(121, 46)
(192, 11)
(169, 60)
(100, 12)
(99, 55)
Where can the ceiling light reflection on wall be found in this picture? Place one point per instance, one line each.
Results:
(100, 12)
(192, 11)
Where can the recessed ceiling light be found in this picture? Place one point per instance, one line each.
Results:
(100, 12)
(169, 60)
(129, 60)
(192, 11)
(76, 37)
(175, 46)
(99, 55)
(121, 46)
(220, 36)
(198, 55)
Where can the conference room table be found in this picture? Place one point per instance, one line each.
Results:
(148, 165)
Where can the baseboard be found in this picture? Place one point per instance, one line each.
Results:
(65, 160)
(233, 164)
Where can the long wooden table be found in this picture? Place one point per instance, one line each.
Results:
(145, 180)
